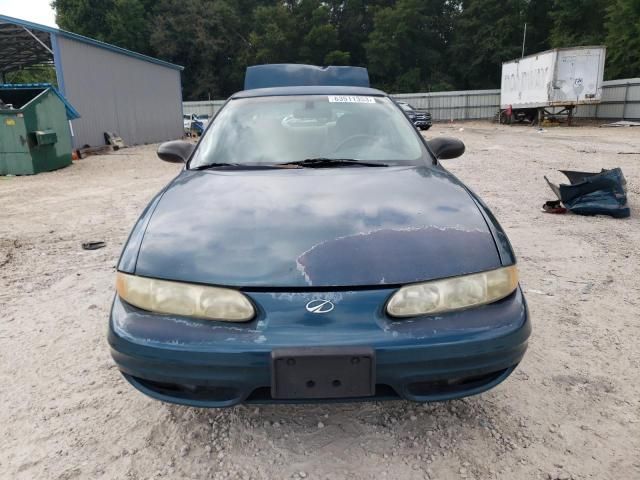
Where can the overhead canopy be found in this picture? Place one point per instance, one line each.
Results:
(113, 88)
(29, 88)
(24, 43)
(22, 47)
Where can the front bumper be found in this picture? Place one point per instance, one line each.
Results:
(215, 364)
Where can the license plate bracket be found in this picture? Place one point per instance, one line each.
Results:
(324, 372)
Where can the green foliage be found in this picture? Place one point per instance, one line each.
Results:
(538, 21)
(33, 74)
(490, 32)
(320, 40)
(337, 57)
(273, 39)
(578, 22)
(129, 26)
(208, 37)
(487, 33)
(407, 45)
(86, 17)
(125, 23)
(623, 39)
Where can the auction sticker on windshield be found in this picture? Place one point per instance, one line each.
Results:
(350, 99)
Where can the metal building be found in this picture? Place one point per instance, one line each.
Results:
(113, 89)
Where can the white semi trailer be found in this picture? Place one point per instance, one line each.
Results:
(558, 80)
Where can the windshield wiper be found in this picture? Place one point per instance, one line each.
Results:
(323, 162)
(234, 166)
(215, 165)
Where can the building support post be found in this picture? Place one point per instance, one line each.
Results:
(466, 107)
(626, 99)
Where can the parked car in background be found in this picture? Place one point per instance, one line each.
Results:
(203, 119)
(419, 118)
(314, 248)
(193, 124)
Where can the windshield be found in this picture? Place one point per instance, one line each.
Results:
(273, 130)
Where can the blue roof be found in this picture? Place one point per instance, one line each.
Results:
(308, 90)
(87, 40)
(72, 113)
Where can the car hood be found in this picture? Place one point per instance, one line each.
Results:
(353, 226)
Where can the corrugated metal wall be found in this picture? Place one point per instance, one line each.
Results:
(206, 107)
(113, 92)
(460, 105)
(620, 99)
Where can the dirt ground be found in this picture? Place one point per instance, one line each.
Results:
(571, 410)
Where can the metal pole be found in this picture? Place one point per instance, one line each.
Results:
(524, 38)
(38, 40)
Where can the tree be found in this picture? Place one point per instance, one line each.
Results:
(125, 23)
(407, 47)
(353, 20)
(273, 38)
(295, 32)
(623, 39)
(321, 37)
(85, 17)
(129, 26)
(207, 37)
(33, 74)
(578, 22)
(538, 26)
(487, 33)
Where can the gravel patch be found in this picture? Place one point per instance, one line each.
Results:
(570, 411)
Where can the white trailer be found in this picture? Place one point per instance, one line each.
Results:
(562, 77)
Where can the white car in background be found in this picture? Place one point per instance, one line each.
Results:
(194, 123)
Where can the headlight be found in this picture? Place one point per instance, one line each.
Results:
(454, 293)
(162, 296)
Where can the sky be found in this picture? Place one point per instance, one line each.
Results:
(37, 11)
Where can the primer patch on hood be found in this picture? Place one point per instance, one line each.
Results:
(389, 256)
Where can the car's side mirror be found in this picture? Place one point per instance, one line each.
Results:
(176, 151)
(445, 147)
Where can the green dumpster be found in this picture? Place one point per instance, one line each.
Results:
(35, 133)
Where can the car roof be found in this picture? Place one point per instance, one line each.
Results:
(308, 90)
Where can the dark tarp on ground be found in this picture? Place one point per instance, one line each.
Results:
(603, 193)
